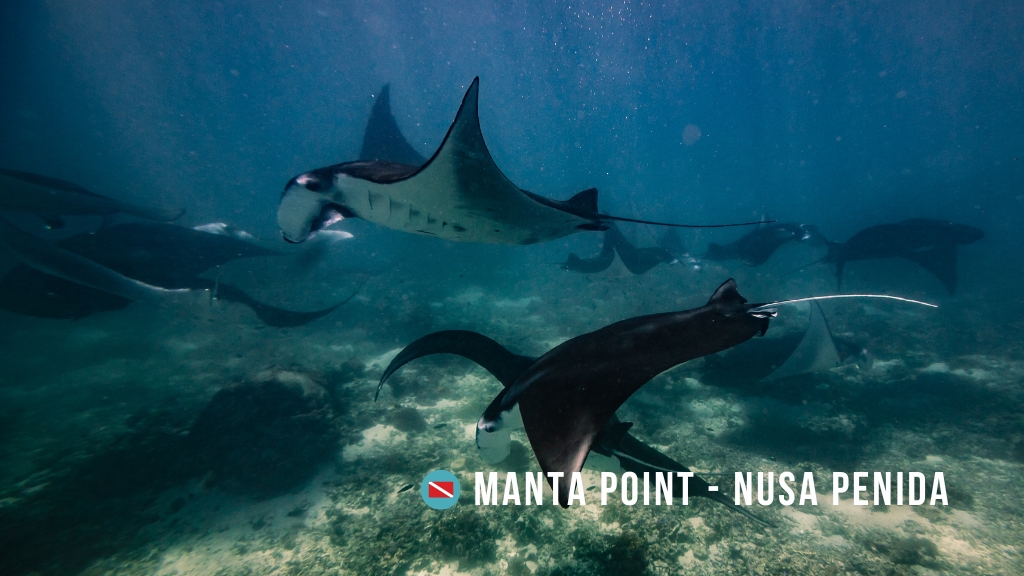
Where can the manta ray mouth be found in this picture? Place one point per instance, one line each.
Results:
(303, 212)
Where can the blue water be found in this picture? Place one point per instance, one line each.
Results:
(842, 114)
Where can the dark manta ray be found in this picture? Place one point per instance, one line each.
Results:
(929, 243)
(594, 264)
(157, 255)
(637, 260)
(458, 194)
(758, 245)
(50, 198)
(613, 441)
(567, 396)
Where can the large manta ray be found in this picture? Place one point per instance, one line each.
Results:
(51, 198)
(614, 441)
(568, 396)
(929, 243)
(458, 194)
(758, 245)
(114, 266)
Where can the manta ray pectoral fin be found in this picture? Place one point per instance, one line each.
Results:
(272, 315)
(940, 261)
(585, 202)
(493, 357)
(727, 298)
(611, 437)
(816, 351)
(383, 140)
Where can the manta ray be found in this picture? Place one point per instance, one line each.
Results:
(458, 194)
(614, 441)
(568, 396)
(51, 198)
(114, 266)
(636, 260)
(59, 263)
(758, 245)
(767, 360)
(928, 243)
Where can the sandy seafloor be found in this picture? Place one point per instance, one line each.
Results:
(944, 394)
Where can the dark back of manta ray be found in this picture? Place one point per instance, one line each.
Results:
(25, 291)
(163, 255)
(159, 254)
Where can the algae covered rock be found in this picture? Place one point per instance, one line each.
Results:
(264, 438)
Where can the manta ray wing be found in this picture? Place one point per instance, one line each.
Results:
(815, 353)
(26, 291)
(940, 261)
(635, 456)
(461, 194)
(491, 356)
(56, 261)
(594, 264)
(51, 197)
(161, 254)
(383, 140)
(569, 395)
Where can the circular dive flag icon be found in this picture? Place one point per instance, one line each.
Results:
(440, 490)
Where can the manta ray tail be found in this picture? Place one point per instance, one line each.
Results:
(491, 356)
(653, 223)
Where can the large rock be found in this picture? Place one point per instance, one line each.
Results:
(266, 437)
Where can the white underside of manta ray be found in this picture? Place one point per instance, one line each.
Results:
(458, 194)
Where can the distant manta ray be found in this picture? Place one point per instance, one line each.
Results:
(614, 441)
(757, 246)
(568, 396)
(114, 266)
(928, 243)
(51, 198)
(636, 260)
(55, 261)
(458, 194)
